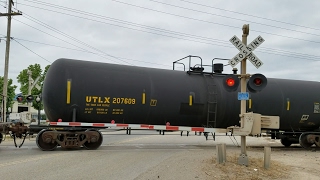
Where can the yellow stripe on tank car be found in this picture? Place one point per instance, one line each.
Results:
(250, 103)
(190, 100)
(143, 98)
(68, 91)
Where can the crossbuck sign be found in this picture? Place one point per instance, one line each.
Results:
(246, 51)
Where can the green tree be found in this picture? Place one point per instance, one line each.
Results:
(23, 79)
(10, 91)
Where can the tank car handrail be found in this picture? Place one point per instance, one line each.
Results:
(202, 65)
(180, 63)
(181, 59)
(184, 66)
(190, 56)
(218, 59)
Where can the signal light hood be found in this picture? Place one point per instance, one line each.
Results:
(256, 83)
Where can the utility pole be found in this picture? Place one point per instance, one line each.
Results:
(6, 66)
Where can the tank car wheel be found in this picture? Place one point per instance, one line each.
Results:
(303, 141)
(286, 142)
(94, 145)
(45, 146)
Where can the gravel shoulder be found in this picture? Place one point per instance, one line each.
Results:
(286, 163)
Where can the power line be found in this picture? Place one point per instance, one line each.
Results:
(54, 45)
(55, 6)
(274, 52)
(70, 37)
(122, 22)
(31, 50)
(52, 35)
(48, 34)
(211, 21)
(85, 51)
(63, 39)
(157, 29)
(50, 4)
(119, 21)
(212, 7)
(248, 21)
(5, 4)
(122, 27)
(278, 52)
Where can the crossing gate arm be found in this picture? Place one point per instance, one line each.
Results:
(141, 126)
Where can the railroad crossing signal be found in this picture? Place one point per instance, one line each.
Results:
(256, 83)
(246, 51)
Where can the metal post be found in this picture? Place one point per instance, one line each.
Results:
(267, 157)
(243, 158)
(29, 88)
(38, 100)
(221, 153)
(39, 115)
(29, 81)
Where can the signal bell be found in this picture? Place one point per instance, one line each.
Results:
(231, 82)
(256, 83)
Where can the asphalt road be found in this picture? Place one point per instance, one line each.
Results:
(121, 156)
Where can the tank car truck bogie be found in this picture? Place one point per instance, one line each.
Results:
(48, 140)
(305, 139)
(15, 130)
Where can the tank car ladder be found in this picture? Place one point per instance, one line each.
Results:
(211, 103)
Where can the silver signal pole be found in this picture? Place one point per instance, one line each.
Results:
(243, 158)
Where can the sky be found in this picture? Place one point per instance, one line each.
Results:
(155, 33)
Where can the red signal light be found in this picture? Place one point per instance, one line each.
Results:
(257, 81)
(230, 82)
(19, 98)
